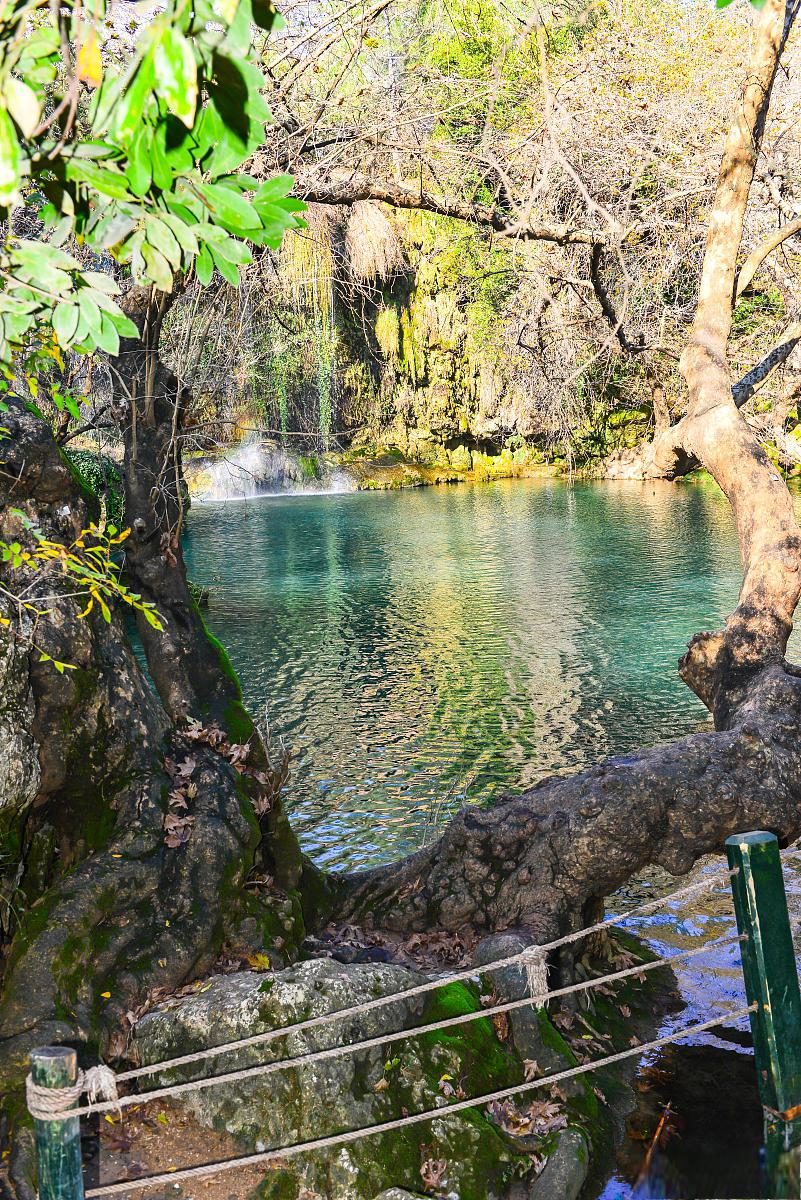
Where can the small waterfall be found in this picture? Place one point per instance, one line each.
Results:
(237, 476)
(261, 468)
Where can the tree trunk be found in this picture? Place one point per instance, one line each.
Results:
(118, 900)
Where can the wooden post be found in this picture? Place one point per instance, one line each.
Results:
(771, 982)
(58, 1143)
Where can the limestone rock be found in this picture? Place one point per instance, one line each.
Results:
(352, 1091)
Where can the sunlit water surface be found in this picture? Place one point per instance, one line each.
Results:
(420, 649)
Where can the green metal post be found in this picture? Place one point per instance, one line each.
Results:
(58, 1143)
(771, 982)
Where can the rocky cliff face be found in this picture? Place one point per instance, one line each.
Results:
(435, 376)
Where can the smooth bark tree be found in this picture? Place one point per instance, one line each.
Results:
(145, 814)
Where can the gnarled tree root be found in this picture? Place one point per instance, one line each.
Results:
(543, 860)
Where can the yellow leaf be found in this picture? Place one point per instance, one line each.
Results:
(160, 1117)
(106, 995)
(260, 962)
(116, 856)
(90, 68)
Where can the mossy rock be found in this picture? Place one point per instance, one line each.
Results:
(353, 1091)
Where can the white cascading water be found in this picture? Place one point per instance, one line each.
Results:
(258, 468)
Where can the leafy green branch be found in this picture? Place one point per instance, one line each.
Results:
(89, 568)
(137, 161)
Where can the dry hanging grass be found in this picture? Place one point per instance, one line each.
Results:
(307, 261)
(374, 250)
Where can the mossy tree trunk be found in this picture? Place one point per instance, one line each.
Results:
(131, 821)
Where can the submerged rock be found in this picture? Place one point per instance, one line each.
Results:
(463, 1156)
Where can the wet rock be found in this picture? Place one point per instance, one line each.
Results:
(563, 1175)
(399, 1194)
(353, 1091)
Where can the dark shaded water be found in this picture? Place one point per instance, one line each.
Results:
(419, 649)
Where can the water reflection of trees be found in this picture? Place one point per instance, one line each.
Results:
(424, 647)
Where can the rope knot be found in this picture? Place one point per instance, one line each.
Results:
(536, 966)
(47, 1104)
(100, 1083)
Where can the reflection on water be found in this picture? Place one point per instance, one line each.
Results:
(423, 648)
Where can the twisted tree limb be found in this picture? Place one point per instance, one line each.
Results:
(356, 187)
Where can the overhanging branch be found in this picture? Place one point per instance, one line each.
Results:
(399, 195)
(756, 258)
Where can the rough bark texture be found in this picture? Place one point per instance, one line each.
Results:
(190, 668)
(113, 908)
(121, 911)
(541, 861)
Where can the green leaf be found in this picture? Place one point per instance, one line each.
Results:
(103, 283)
(160, 165)
(71, 405)
(108, 338)
(112, 228)
(175, 73)
(90, 312)
(37, 254)
(176, 145)
(182, 232)
(232, 251)
(266, 16)
(277, 188)
(204, 267)
(23, 104)
(124, 325)
(138, 172)
(130, 109)
(233, 121)
(229, 208)
(158, 234)
(227, 269)
(102, 179)
(65, 322)
(9, 159)
(158, 268)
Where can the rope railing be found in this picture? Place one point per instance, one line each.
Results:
(261, 1069)
(52, 1103)
(446, 1110)
(521, 957)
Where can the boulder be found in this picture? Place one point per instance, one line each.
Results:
(469, 1157)
(564, 1173)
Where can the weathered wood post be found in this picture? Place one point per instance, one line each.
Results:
(771, 982)
(58, 1143)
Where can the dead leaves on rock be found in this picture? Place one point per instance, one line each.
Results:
(269, 781)
(178, 821)
(433, 1172)
(428, 952)
(538, 1119)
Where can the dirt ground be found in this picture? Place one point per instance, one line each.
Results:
(157, 1138)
